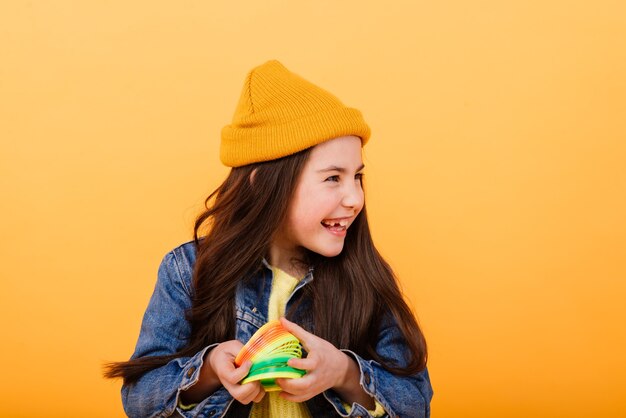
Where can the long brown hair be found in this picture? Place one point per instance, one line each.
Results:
(240, 219)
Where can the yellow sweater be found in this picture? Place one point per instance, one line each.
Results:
(272, 405)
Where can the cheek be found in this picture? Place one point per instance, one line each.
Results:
(303, 215)
(312, 204)
(362, 200)
(307, 218)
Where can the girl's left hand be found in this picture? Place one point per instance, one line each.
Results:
(326, 367)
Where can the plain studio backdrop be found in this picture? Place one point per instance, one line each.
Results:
(495, 181)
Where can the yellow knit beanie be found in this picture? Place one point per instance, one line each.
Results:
(280, 113)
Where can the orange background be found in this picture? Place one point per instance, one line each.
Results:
(495, 181)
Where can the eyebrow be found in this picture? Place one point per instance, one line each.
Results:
(339, 169)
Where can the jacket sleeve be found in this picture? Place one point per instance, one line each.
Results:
(400, 396)
(165, 330)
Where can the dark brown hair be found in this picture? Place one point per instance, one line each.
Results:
(240, 219)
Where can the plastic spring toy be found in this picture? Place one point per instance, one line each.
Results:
(269, 349)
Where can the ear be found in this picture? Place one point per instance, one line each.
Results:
(252, 175)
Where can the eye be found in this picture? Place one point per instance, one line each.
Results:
(359, 176)
(333, 178)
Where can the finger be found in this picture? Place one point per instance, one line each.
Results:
(306, 338)
(295, 398)
(245, 393)
(259, 396)
(231, 348)
(308, 363)
(283, 384)
(296, 386)
(238, 374)
(254, 393)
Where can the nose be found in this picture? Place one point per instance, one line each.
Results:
(353, 196)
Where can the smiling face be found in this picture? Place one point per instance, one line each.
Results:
(326, 201)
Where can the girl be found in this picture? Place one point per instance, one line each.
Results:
(285, 236)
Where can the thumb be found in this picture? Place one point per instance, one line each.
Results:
(240, 372)
(305, 337)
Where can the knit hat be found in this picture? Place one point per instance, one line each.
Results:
(280, 113)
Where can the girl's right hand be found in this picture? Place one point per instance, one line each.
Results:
(222, 361)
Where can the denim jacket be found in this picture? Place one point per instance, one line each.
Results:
(164, 330)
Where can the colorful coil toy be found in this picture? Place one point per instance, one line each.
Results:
(269, 349)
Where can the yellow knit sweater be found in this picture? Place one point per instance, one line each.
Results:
(272, 405)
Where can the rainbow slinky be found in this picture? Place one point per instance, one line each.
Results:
(269, 349)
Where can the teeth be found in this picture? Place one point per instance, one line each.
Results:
(343, 223)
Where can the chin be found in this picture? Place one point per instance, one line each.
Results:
(329, 252)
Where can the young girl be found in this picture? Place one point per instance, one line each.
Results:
(286, 236)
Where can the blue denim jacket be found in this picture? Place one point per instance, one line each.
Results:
(164, 330)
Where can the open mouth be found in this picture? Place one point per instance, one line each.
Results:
(335, 226)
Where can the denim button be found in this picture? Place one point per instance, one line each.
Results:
(212, 412)
(190, 371)
(367, 378)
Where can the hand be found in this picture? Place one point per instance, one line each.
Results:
(222, 361)
(326, 366)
